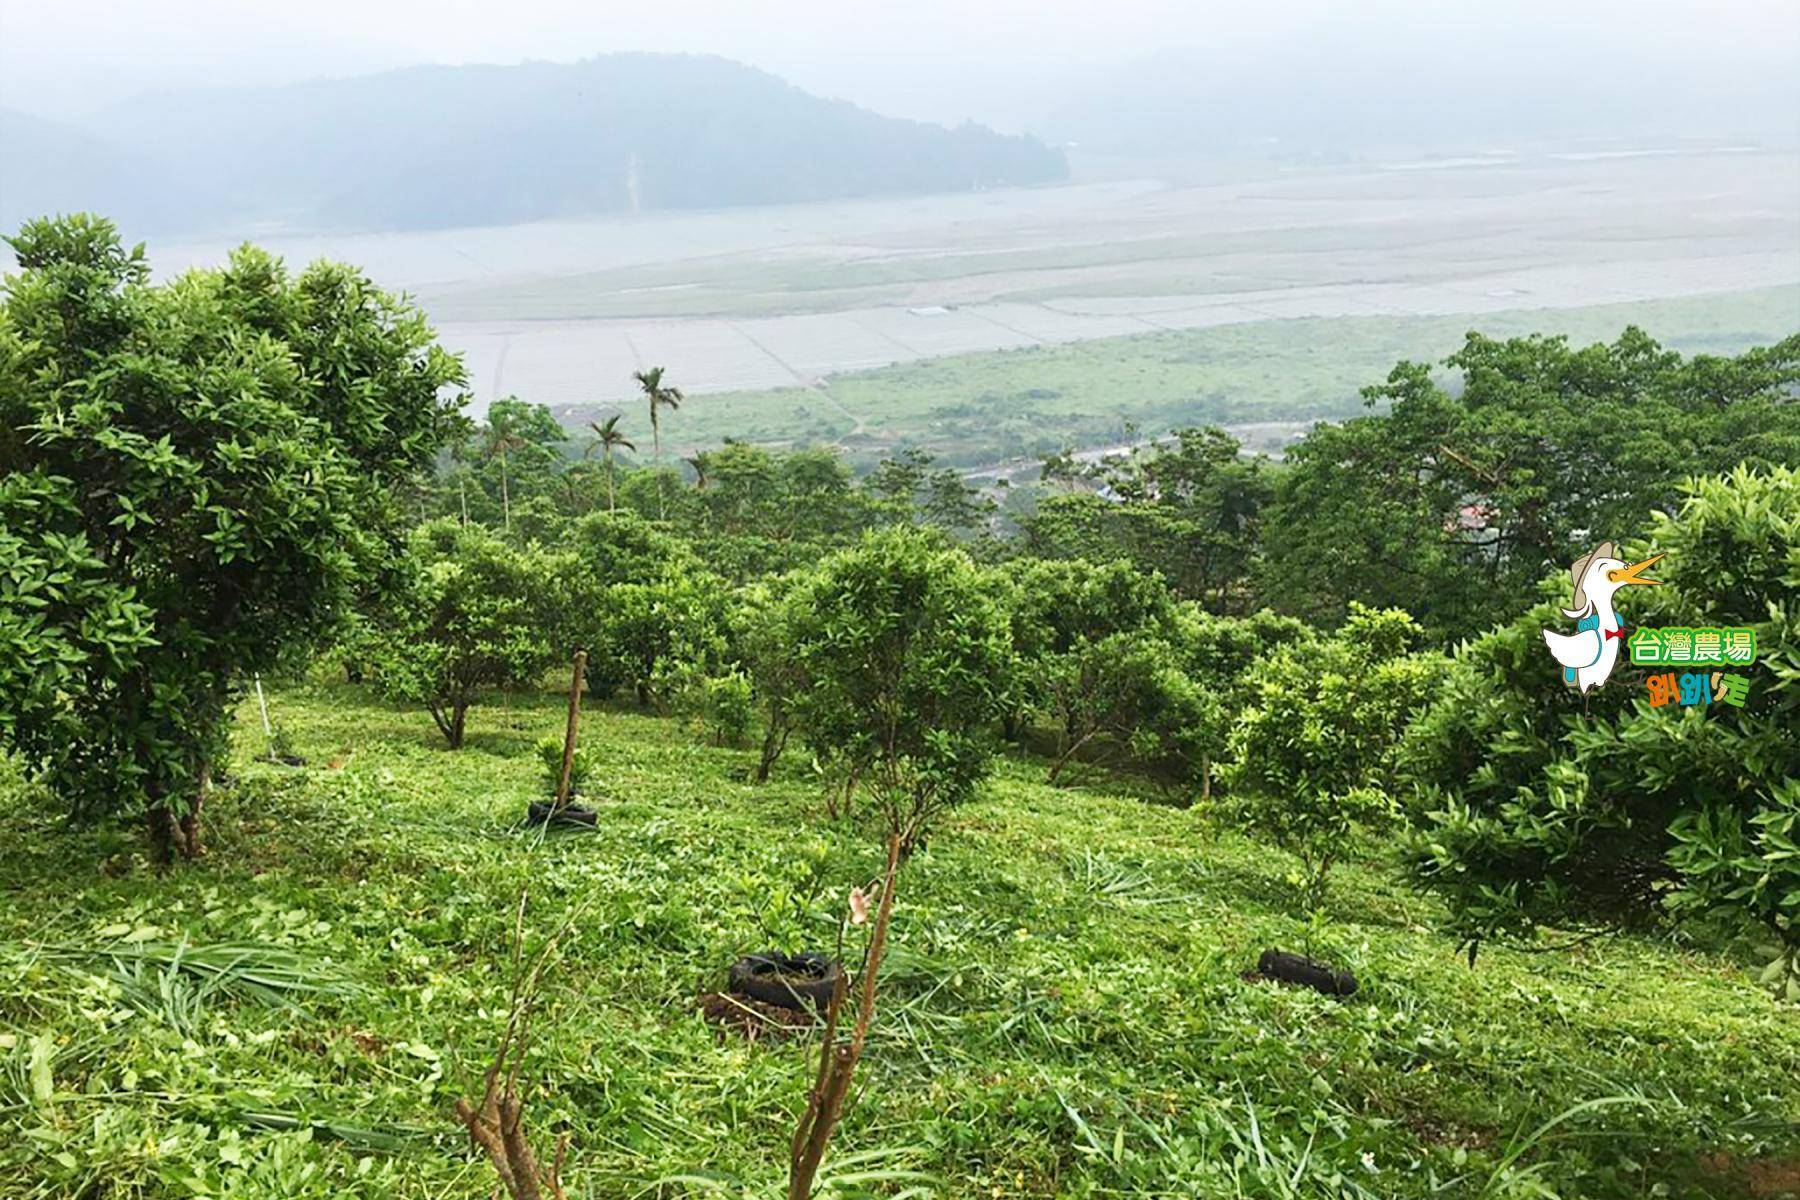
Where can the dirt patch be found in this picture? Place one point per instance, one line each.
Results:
(751, 1019)
(1441, 1131)
(1759, 1178)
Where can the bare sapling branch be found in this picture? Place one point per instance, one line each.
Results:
(497, 1124)
(837, 1063)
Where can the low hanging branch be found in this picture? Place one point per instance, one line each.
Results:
(837, 1063)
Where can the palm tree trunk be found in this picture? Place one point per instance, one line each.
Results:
(505, 500)
(662, 508)
(612, 505)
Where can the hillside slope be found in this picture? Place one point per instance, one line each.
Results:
(443, 146)
(1061, 1011)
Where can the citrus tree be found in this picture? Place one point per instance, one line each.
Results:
(201, 476)
(1534, 808)
(1312, 757)
(476, 613)
(906, 654)
(638, 600)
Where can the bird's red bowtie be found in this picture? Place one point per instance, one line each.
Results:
(1615, 633)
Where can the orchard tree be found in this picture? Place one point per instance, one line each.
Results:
(1219, 654)
(763, 512)
(476, 614)
(1537, 808)
(1186, 508)
(1062, 613)
(909, 489)
(1126, 696)
(762, 637)
(200, 478)
(638, 600)
(905, 654)
(1313, 757)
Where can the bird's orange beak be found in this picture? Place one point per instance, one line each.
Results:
(1625, 575)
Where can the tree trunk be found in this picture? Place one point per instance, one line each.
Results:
(188, 830)
(1205, 778)
(662, 508)
(442, 722)
(1068, 754)
(161, 824)
(458, 720)
(774, 742)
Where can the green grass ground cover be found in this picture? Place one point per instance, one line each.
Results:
(976, 409)
(1062, 1015)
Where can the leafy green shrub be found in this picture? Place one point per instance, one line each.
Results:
(763, 639)
(1312, 758)
(904, 651)
(638, 600)
(1534, 810)
(475, 613)
(726, 708)
(582, 765)
(201, 477)
(1219, 655)
(1531, 811)
(1095, 657)
(1126, 695)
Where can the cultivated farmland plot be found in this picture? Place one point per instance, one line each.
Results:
(562, 312)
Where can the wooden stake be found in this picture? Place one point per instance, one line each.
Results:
(568, 762)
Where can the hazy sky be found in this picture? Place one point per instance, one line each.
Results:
(1004, 62)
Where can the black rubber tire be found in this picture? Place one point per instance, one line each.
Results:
(1297, 968)
(542, 812)
(796, 981)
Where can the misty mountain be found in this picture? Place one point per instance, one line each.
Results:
(1344, 85)
(434, 147)
(50, 167)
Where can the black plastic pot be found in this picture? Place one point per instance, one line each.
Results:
(543, 812)
(1299, 969)
(787, 980)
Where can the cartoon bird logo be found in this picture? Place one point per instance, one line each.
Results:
(1589, 654)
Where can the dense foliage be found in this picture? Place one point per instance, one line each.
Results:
(1452, 505)
(905, 655)
(201, 477)
(1536, 808)
(474, 614)
(1312, 754)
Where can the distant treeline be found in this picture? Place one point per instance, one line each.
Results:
(436, 147)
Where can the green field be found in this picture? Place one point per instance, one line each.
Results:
(979, 409)
(1062, 1015)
